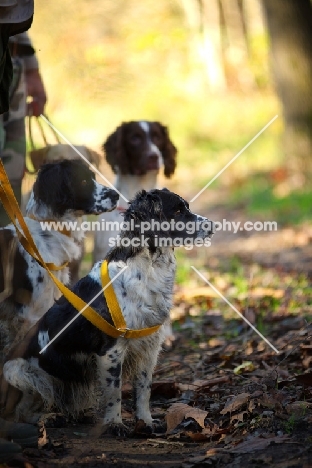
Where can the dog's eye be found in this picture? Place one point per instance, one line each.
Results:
(178, 212)
(83, 182)
(135, 139)
(155, 136)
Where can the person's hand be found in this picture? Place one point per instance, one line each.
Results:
(35, 89)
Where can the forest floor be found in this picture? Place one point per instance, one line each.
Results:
(222, 395)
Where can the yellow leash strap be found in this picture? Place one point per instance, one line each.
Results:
(10, 204)
(115, 311)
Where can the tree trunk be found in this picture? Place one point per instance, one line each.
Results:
(205, 44)
(290, 28)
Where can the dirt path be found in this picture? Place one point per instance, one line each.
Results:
(288, 248)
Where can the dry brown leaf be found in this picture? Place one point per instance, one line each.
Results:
(252, 405)
(201, 385)
(235, 403)
(298, 408)
(239, 416)
(188, 294)
(263, 292)
(207, 433)
(216, 342)
(271, 400)
(179, 411)
(257, 443)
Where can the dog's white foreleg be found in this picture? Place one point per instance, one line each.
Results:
(142, 386)
(110, 368)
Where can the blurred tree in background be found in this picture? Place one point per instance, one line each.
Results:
(290, 28)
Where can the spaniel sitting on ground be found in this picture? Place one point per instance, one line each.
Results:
(136, 152)
(62, 192)
(66, 372)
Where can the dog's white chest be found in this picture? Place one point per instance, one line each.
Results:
(144, 290)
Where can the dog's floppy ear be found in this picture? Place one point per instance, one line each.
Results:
(38, 157)
(145, 205)
(53, 186)
(169, 153)
(115, 151)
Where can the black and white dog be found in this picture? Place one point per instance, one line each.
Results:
(62, 193)
(66, 372)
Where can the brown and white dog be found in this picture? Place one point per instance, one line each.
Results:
(62, 193)
(59, 152)
(136, 152)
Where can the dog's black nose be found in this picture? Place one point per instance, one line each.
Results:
(113, 195)
(152, 161)
(208, 226)
(153, 157)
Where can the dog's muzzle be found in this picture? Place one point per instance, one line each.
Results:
(207, 228)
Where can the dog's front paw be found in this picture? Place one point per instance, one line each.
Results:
(115, 430)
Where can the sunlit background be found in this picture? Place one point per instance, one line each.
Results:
(104, 62)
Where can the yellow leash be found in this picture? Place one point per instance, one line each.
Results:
(115, 311)
(119, 328)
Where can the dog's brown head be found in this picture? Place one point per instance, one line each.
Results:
(60, 152)
(137, 147)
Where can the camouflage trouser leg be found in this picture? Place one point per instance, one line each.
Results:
(13, 123)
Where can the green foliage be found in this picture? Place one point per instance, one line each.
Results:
(290, 424)
(259, 197)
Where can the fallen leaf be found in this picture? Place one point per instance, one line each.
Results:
(252, 405)
(246, 366)
(179, 411)
(239, 416)
(188, 294)
(216, 342)
(298, 408)
(263, 292)
(42, 439)
(235, 403)
(201, 385)
(272, 400)
(257, 443)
